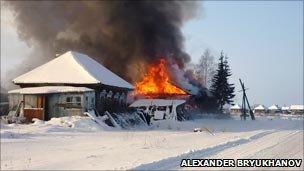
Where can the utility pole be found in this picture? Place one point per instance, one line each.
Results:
(244, 103)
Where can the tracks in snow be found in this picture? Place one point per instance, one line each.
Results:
(173, 162)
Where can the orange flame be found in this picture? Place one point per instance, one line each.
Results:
(156, 82)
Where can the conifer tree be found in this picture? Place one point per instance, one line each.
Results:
(222, 91)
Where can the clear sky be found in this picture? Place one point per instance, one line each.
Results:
(263, 40)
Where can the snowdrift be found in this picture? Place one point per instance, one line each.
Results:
(78, 123)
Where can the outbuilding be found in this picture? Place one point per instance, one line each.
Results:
(273, 109)
(297, 109)
(51, 101)
(285, 109)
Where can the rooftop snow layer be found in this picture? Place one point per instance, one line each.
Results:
(156, 102)
(296, 107)
(273, 107)
(259, 107)
(73, 68)
(49, 90)
(236, 106)
(285, 108)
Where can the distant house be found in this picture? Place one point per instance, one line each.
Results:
(72, 81)
(285, 109)
(260, 109)
(296, 109)
(274, 109)
(235, 109)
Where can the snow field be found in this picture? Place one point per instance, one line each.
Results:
(79, 143)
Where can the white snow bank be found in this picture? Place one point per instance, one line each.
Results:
(78, 123)
(2, 124)
(170, 125)
(9, 135)
(37, 121)
(173, 162)
(71, 149)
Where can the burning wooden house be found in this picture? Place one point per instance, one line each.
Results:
(156, 83)
(68, 84)
(163, 98)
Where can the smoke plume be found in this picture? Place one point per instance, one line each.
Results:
(123, 35)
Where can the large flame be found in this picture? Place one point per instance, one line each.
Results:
(156, 82)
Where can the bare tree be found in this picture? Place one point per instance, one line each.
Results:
(205, 69)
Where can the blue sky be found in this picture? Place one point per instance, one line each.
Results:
(264, 43)
(263, 40)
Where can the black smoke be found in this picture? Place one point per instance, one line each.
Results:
(123, 35)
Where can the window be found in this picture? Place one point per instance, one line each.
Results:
(69, 99)
(92, 101)
(78, 100)
(73, 102)
(161, 108)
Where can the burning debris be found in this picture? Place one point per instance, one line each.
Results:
(156, 82)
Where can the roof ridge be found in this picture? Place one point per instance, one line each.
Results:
(79, 56)
(82, 66)
(73, 68)
(38, 67)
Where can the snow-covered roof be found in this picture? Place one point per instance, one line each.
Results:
(49, 90)
(285, 108)
(73, 68)
(273, 107)
(296, 107)
(156, 102)
(259, 107)
(236, 106)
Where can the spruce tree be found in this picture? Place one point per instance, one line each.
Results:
(222, 91)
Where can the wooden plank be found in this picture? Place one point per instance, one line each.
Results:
(30, 113)
(40, 101)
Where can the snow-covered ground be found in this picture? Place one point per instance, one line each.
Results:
(79, 143)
